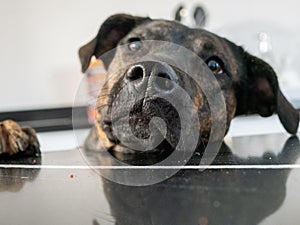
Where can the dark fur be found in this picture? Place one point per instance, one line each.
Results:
(248, 83)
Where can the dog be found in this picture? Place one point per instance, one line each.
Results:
(249, 85)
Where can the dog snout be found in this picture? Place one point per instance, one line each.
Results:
(159, 76)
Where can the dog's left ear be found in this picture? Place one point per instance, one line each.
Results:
(110, 33)
(260, 93)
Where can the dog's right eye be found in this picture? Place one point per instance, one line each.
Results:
(134, 44)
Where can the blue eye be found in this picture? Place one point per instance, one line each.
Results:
(134, 44)
(215, 66)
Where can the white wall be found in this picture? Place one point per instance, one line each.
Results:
(39, 39)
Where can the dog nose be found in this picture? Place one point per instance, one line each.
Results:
(160, 75)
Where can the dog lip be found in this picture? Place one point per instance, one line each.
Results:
(109, 133)
(107, 122)
(107, 128)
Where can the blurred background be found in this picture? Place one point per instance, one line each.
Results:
(39, 40)
(40, 68)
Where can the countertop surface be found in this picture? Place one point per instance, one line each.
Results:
(256, 180)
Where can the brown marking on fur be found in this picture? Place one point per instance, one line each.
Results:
(101, 134)
(198, 101)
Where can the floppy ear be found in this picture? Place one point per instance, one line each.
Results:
(110, 33)
(260, 93)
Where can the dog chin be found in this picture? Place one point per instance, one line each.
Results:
(125, 143)
(141, 125)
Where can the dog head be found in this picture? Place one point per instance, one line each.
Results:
(249, 85)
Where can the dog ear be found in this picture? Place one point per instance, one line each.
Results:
(110, 33)
(260, 93)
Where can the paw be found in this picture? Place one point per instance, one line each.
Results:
(16, 140)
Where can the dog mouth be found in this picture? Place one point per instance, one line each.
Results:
(139, 120)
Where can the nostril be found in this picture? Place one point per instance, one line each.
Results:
(164, 82)
(135, 73)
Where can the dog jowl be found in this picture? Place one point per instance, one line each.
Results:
(248, 84)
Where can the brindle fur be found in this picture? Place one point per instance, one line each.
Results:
(249, 84)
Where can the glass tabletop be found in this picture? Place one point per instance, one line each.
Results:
(254, 180)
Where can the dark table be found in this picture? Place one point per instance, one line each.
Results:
(255, 181)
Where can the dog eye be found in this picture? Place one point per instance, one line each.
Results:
(134, 44)
(215, 66)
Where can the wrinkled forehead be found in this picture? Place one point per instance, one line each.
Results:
(203, 43)
(197, 40)
(161, 30)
